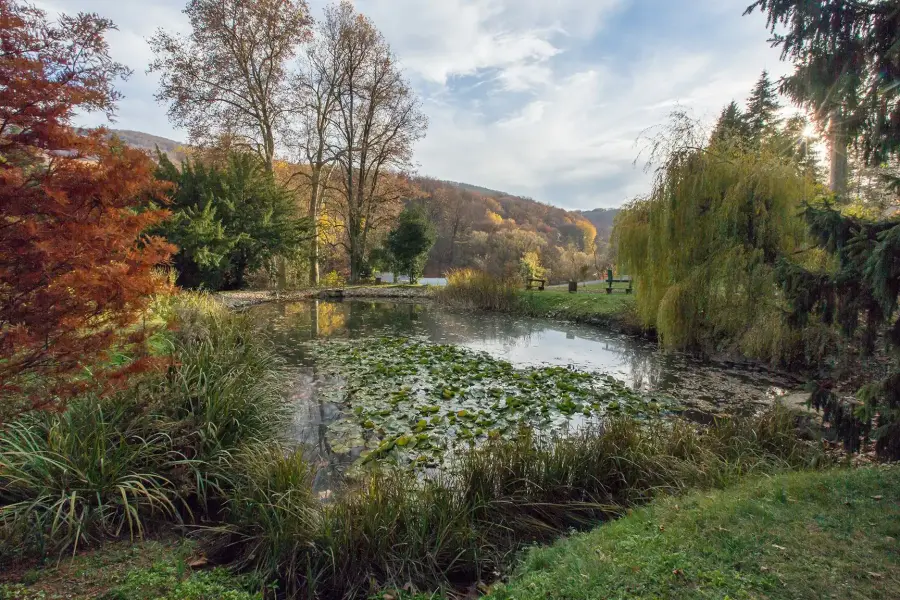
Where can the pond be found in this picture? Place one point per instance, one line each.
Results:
(409, 382)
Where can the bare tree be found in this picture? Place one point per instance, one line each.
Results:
(377, 122)
(231, 74)
(316, 90)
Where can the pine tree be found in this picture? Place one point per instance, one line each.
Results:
(761, 117)
(845, 66)
(731, 124)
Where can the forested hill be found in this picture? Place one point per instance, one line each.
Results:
(477, 226)
(146, 141)
(603, 219)
(492, 230)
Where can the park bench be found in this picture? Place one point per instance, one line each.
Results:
(610, 281)
(533, 281)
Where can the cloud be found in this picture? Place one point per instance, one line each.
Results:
(534, 97)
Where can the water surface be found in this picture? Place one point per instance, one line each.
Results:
(702, 387)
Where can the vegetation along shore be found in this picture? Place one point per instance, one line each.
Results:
(209, 389)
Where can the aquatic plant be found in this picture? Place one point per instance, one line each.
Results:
(412, 402)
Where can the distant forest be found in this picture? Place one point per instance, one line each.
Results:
(475, 226)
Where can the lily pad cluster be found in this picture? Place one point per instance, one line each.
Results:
(413, 402)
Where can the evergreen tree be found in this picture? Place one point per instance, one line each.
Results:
(846, 66)
(228, 221)
(845, 69)
(761, 117)
(731, 124)
(410, 241)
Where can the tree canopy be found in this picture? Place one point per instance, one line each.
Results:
(845, 70)
(410, 241)
(228, 220)
(703, 246)
(76, 269)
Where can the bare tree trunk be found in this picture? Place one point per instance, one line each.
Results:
(837, 140)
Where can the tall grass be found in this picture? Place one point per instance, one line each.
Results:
(160, 450)
(94, 471)
(201, 440)
(474, 289)
(464, 525)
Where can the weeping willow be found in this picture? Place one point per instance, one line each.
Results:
(703, 246)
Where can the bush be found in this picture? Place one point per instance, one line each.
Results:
(94, 471)
(463, 525)
(161, 449)
(473, 289)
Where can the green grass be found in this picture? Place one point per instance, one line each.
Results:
(596, 309)
(150, 570)
(830, 534)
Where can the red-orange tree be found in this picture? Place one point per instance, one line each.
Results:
(76, 270)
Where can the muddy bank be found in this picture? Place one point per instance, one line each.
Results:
(245, 298)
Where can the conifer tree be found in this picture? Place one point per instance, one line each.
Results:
(731, 124)
(845, 69)
(761, 117)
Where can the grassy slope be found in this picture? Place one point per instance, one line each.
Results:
(802, 535)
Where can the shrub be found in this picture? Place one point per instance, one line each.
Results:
(464, 524)
(225, 386)
(93, 471)
(473, 289)
(160, 449)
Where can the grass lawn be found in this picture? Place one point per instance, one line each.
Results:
(593, 308)
(802, 535)
(148, 570)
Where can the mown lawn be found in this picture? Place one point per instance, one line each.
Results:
(585, 307)
(802, 535)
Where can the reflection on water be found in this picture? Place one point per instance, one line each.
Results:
(703, 387)
(522, 341)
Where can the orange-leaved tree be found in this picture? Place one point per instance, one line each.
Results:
(76, 269)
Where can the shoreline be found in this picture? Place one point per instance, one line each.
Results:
(246, 298)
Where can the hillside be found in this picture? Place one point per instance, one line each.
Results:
(602, 218)
(477, 226)
(146, 141)
(492, 230)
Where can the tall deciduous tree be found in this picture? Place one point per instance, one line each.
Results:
(316, 89)
(76, 269)
(231, 75)
(378, 120)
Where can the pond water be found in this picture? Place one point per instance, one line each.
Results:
(700, 388)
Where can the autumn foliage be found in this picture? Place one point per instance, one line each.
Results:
(76, 270)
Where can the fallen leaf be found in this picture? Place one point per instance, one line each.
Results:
(876, 575)
(198, 562)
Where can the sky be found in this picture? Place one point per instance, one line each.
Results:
(539, 98)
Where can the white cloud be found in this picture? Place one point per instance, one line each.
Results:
(530, 96)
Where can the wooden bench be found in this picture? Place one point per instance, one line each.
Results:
(610, 281)
(532, 281)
